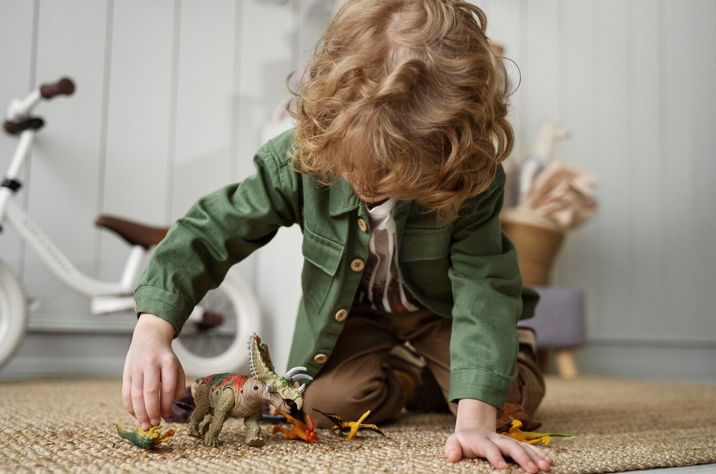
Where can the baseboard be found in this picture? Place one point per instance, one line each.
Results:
(62, 355)
(677, 363)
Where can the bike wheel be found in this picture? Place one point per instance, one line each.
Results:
(205, 349)
(13, 313)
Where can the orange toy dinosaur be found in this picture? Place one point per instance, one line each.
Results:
(298, 429)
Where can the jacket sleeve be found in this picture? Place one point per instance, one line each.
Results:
(217, 232)
(486, 284)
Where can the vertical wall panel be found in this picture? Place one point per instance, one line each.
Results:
(647, 276)
(16, 42)
(267, 43)
(66, 162)
(702, 54)
(575, 266)
(612, 167)
(203, 113)
(540, 98)
(315, 15)
(135, 181)
(503, 27)
(677, 160)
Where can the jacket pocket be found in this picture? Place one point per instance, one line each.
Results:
(425, 260)
(322, 257)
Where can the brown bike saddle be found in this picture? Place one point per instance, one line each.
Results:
(133, 232)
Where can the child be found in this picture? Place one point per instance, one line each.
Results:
(393, 175)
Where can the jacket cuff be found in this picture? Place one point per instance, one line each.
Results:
(161, 303)
(479, 385)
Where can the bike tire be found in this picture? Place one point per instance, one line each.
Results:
(13, 313)
(243, 319)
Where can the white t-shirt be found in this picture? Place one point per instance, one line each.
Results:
(380, 285)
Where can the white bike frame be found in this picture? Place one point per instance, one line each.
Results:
(107, 297)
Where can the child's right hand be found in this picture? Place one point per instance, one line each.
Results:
(153, 377)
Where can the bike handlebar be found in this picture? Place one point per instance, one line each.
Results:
(11, 127)
(63, 86)
(18, 116)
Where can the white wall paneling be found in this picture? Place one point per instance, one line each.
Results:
(17, 35)
(65, 181)
(613, 166)
(504, 28)
(702, 52)
(139, 121)
(577, 79)
(205, 87)
(647, 272)
(680, 253)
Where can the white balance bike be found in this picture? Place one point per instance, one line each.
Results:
(214, 337)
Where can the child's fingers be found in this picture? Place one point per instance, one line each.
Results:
(152, 393)
(181, 382)
(521, 455)
(138, 400)
(169, 388)
(453, 449)
(127, 393)
(494, 456)
(538, 460)
(540, 453)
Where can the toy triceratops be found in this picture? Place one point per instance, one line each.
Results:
(221, 396)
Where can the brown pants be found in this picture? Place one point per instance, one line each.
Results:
(356, 376)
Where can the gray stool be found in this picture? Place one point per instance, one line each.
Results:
(559, 325)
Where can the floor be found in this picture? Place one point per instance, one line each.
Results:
(700, 469)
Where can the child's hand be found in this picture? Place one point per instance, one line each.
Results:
(493, 446)
(475, 437)
(153, 377)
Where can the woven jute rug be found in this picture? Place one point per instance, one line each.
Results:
(58, 426)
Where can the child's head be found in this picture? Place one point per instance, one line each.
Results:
(405, 98)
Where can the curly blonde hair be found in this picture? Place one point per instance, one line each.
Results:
(406, 99)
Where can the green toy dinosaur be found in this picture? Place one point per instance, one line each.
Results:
(145, 439)
(221, 396)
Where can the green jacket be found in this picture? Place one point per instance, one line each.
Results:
(465, 270)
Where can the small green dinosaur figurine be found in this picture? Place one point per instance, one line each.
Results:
(145, 439)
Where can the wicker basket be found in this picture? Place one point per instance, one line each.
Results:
(537, 239)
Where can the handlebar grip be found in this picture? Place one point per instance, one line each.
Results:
(30, 123)
(63, 86)
(11, 128)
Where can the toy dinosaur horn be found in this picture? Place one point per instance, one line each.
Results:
(302, 377)
(293, 376)
(290, 373)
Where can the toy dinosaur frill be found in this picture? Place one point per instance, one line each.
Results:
(221, 396)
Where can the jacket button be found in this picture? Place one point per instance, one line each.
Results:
(341, 315)
(362, 225)
(320, 358)
(357, 265)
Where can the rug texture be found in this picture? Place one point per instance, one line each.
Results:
(59, 426)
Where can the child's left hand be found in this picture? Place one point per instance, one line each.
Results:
(476, 442)
(475, 436)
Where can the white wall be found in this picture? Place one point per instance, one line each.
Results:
(172, 95)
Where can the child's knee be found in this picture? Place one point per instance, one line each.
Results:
(529, 387)
(383, 397)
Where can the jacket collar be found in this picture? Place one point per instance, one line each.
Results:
(341, 198)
